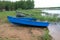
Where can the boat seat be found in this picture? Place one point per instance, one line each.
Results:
(20, 14)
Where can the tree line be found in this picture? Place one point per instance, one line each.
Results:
(23, 4)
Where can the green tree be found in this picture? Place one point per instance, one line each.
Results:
(30, 4)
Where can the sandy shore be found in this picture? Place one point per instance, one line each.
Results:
(13, 32)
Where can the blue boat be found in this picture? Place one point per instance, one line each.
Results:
(26, 18)
(27, 21)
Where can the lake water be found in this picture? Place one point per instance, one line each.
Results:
(54, 31)
(54, 28)
(52, 11)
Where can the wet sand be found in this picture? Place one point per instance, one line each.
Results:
(13, 32)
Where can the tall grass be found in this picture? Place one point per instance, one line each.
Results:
(35, 13)
(46, 36)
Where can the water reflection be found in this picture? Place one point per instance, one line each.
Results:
(54, 30)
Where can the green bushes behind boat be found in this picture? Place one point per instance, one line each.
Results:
(35, 13)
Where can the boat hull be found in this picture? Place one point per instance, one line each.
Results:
(19, 21)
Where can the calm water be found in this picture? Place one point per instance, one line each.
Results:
(54, 31)
(54, 28)
(52, 11)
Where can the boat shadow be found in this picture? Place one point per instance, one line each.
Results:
(24, 25)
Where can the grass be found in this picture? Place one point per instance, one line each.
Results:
(3, 15)
(36, 13)
(46, 35)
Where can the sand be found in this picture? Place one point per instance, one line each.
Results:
(14, 32)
